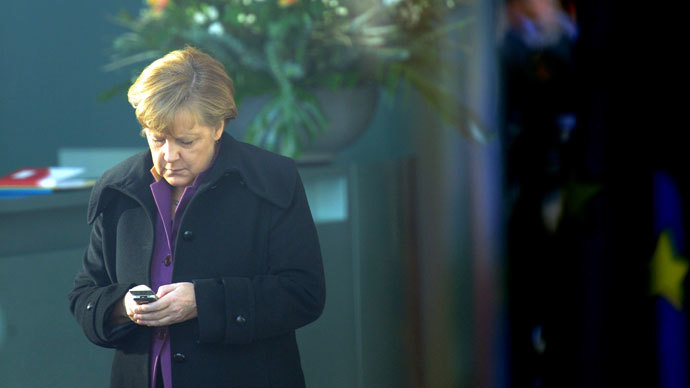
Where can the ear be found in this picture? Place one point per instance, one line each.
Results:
(218, 132)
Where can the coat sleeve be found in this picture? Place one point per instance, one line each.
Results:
(94, 294)
(239, 310)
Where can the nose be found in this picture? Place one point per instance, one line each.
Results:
(170, 152)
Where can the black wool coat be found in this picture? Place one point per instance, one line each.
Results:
(248, 243)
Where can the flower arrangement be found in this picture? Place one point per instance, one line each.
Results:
(287, 48)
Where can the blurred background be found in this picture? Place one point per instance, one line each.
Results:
(497, 204)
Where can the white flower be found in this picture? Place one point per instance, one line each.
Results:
(247, 2)
(333, 3)
(389, 3)
(212, 12)
(199, 18)
(251, 18)
(216, 29)
(241, 17)
(341, 11)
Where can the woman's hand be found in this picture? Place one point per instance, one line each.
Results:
(176, 303)
(124, 310)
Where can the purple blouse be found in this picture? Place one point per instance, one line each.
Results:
(163, 261)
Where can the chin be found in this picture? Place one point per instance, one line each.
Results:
(178, 181)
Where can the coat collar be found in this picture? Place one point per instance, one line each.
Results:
(268, 175)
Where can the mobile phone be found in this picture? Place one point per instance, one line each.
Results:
(143, 296)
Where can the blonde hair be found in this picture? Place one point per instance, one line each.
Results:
(183, 82)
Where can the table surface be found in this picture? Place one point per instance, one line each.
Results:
(58, 199)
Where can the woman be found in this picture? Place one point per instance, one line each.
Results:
(218, 229)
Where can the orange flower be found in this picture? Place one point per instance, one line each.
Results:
(157, 6)
(286, 3)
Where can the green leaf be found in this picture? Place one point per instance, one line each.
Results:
(132, 59)
(289, 145)
(114, 91)
(314, 112)
(309, 124)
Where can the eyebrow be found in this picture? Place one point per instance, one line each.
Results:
(159, 135)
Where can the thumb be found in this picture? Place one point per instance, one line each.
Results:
(165, 289)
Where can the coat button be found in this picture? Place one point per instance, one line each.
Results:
(89, 305)
(167, 261)
(240, 319)
(187, 235)
(179, 358)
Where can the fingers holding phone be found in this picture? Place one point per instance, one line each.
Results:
(137, 296)
(176, 303)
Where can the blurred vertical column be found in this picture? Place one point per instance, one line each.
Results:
(486, 198)
(444, 259)
(460, 229)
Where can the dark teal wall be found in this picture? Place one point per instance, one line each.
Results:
(51, 54)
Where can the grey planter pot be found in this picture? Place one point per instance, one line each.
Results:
(349, 112)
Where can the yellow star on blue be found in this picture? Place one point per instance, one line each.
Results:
(668, 271)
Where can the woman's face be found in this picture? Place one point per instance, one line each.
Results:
(182, 155)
